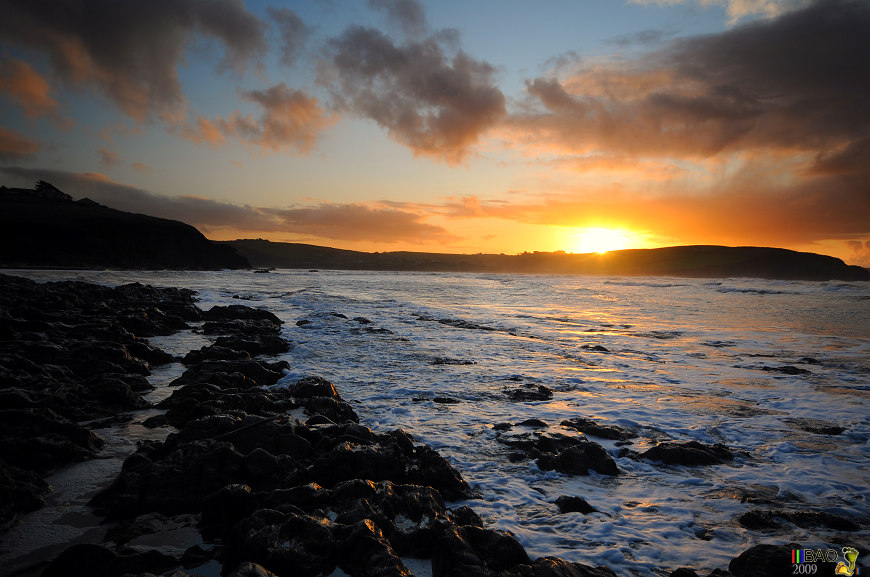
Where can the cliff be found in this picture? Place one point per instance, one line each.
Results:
(46, 228)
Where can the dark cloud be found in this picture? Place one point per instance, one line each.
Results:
(433, 99)
(130, 50)
(358, 222)
(796, 82)
(408, 15)
(293, 32)
(16, 146)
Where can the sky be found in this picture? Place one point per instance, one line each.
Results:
(495, 126)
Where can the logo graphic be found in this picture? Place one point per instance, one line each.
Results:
(850, 554)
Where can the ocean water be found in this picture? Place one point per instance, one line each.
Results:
(685, 359)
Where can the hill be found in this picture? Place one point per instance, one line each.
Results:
(685, 261)
(44, 227)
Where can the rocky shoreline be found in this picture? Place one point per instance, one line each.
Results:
(253, 480)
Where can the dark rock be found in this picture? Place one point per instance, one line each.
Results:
(41, 440)
(689, 453)
(816, 426)
(533, 423)
(363, 550)
(362, 320)
(240, 312)
(214, 353)
(574, 505)
(683, 572)
(287, 544)
(446, 400)
(763, 561)
(227, 506)
(22, 492)
(248, 569)
(596, 348)
(582, 458)
(466, 516)
(787, 370)
(255, 344)
(759, 519)
(87, 560)
(590, 427)
(147, 524)
(530, 393)
(555, 567)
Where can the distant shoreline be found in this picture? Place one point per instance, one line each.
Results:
(700, 261)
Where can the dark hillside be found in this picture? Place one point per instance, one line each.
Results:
(51, 230)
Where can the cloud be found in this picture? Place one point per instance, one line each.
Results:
(16, 146)
(26, 88)
(293, 31)
(142, 167)
(108, 157)
(359, 222)
(289, 120)
(433, 99)
(408, 15)
(790, 83)
(131, 51)
(739, 9)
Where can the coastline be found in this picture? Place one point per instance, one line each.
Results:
(276, 442)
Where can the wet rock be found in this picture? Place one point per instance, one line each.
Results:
(147, 524)
(760, 519)
(580, 459)
(239, 312)
(590, 427)
(764, 561)
(568, 504)
(533, 423)
(529, 393)
(254, 344)
(555, 567)
(22, 492)
(41, 440)
(596, 348)
(87, 560)
(286, 544)
(683, 572)
(214, 353)
(815, 426)
(363, 550)
(787, 370)
(689, 453)
(248, 569)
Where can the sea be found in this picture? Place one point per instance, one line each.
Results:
(778, 371)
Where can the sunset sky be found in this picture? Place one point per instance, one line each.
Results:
(452, 126)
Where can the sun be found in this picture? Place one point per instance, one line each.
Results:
(601, 240)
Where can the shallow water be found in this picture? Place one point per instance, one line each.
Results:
(685, 360)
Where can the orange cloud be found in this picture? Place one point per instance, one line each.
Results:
(26, 87)
(16, 146)
(290, 119)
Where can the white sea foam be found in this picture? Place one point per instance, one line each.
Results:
(685, 360)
